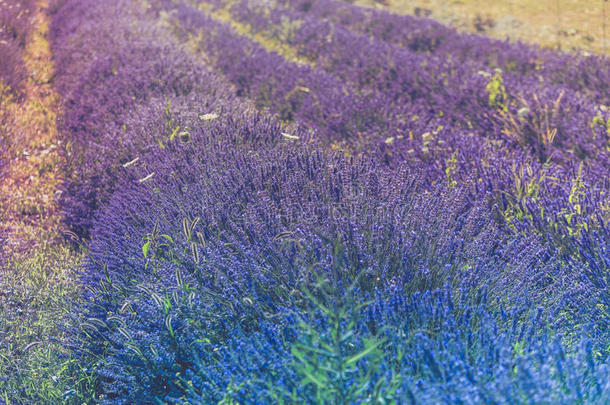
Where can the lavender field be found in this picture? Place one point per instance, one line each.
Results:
(297, 202)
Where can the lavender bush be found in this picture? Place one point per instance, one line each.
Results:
(294, 214)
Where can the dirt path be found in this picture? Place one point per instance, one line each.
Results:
(39, 282)
(29, 188)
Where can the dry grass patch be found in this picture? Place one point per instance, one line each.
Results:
(568, 24)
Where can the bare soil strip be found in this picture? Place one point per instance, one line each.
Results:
(39, 281)
(29, 187)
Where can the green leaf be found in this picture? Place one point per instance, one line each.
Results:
(298, 354)
(167, 237)
(145, 249)
(314, 379)
(363, 353)
(316, 350)
(346, 336)
(168, 324)
(174, 132)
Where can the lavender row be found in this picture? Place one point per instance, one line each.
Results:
(523, 122)
(443, 84)
(127, 92)
(525, 111)
(409, 86)
(399, 76)
(447, 152)
(587, 74)
(129, 98)
(339, 115)
(230, 270)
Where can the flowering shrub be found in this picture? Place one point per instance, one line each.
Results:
(96, 116)
(454, 249)
(172, 240)
(332, 348)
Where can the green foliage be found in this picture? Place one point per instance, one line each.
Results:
(157, 248)
(527, 186)
(599, 122)
(335, 362)
(451, 169)
(497, 92)
(35, 361)
(172, 128)
(574, 211)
